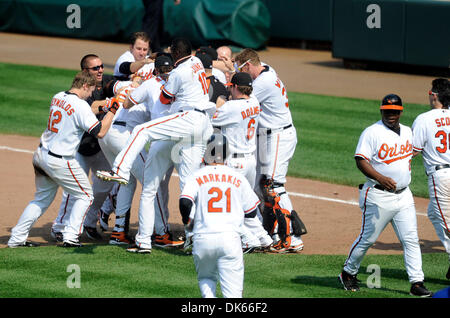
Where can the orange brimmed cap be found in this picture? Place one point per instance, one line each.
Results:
(392, 101)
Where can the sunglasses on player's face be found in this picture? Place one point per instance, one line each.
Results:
(95, 68)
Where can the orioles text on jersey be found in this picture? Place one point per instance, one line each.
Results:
(394, 154)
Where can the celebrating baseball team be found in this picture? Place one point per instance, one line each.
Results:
(222, 121)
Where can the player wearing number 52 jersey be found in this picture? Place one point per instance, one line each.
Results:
(223, 198)
(55, 163)
(431, 131)
(277, 136)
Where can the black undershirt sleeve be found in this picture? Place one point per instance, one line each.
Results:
(124, 68)
(185, 209)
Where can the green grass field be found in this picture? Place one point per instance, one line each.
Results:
(328, 129)
(109, 271)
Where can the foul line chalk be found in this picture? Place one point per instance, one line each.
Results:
(294, 194)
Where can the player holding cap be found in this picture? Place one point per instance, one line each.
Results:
(222, 199)
(238, 119)
(431, 131)
(383, 155)
(55, 163)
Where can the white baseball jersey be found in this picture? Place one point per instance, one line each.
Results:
(239, 119)
(222, 196)
(219, 75)
(431, 136)
(125, 57)
(389, 153)
(133, 116)
(148, 94)
(188, 82)
(146, 71)
(69, 118)
(272, 95)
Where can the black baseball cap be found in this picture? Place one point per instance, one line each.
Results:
(208, 50)
(163, 60)
(206, 60)
(241, 79)
(391, 101)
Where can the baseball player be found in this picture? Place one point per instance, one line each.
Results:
(383, 155)
(431, 137)
(124, 122)
(135, 59)
(222, 198)
(277, 139)
(238, 119)
(189, 125)
(55, 163)
(148, 95)
(89, 155)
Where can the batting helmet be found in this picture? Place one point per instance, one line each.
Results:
(216, 149)
(392, 101)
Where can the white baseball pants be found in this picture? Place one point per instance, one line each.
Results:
(114, 141)
(253, 232)
(439, 206)
(275, 150)
(188, 131)
(67, 173)
(378, 209)
(218, 256)
(100, 190)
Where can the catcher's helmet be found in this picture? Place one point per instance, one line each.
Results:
(216, 149)
(392, 101)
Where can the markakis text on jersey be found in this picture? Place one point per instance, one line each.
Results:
(395, 153)
(250, 112)
(218, 178)
(61, 103)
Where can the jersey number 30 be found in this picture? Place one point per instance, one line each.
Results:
(53, 119)
(218, 198)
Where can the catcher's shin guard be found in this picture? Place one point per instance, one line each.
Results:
(269, 219)
(284, 226)
(298, 227)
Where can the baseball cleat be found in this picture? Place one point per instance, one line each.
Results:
(166, 240)
(296, 249)
(120, 238)
(24, 244)
(350, 282)
(278, 248)
(92, 233)
(72, 244)
(133, 248)
(57, 236)
(111, 176)
(188, 245)
(419, 289)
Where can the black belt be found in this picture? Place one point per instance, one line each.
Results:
(269, 131)
(241, 155)
(197, 110)
(441, 167)
(120, 123)
(51, 153)
(380, 187)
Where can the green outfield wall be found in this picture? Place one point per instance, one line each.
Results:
(411, 32)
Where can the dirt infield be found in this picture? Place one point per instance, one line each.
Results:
(329, 211)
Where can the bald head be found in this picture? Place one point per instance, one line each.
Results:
(224, 51)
